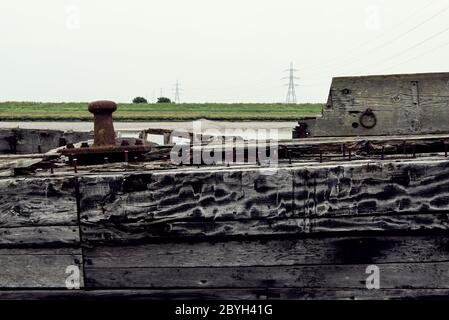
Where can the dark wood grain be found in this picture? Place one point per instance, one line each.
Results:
(392, 276)
(94, 233)
(298, 191)
(338, 250)
(40, 236)
(228, 294)
(38, 202)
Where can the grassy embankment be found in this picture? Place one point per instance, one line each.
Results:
(30, 111)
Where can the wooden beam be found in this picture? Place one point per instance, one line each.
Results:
(392, 276)
(35, 201)
(307, 251)
(228, 294)
(241, 229)
(274, 193)
(38, 268)
(39, 236)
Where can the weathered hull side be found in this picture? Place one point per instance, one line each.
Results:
(296, 232)
(403, 104)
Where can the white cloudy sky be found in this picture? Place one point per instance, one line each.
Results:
(219, 50)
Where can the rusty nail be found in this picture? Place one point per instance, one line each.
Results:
(289, 156)
(74, 164)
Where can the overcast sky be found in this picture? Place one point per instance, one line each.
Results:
(219, 50)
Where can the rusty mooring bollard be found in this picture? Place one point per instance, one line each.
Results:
(105, 148)
(104, 134)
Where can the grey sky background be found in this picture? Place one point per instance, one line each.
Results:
(220, 51)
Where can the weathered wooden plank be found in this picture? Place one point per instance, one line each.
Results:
(98, 233)
(207, 194)
(37, 201)
(138, 294)
(298, 191)
(354, 294)
(392, 276)
(376, 188)
(228, 294)
(39, 236)
(367, 147)
(341, 250)
(40, 251)
(29, 270)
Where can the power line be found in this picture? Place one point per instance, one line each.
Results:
(356, 57)
(422, 54)
(408, 49)
(411, 30)
(291, 94)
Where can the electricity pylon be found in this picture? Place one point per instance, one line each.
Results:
(291, 93)
(177, 92)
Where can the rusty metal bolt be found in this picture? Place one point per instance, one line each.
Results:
(75, 165)
(445, 148)
(104, 134)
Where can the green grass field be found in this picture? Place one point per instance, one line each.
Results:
(30, 111)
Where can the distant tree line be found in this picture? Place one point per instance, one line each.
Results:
(159, 100)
